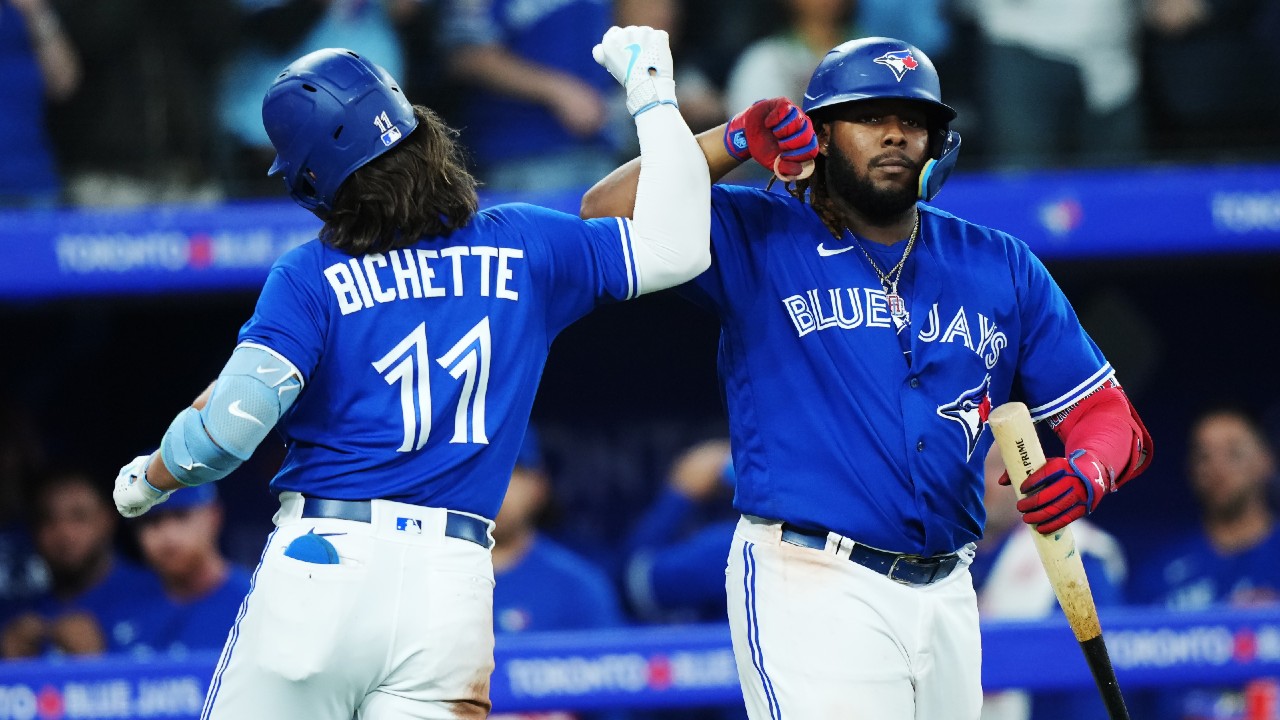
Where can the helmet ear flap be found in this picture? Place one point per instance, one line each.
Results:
(937, 168)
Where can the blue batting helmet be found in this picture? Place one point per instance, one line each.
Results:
(880, 68)
(327, 114)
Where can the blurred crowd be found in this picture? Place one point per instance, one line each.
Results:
(125, 102)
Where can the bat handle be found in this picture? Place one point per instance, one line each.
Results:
(1095, 653)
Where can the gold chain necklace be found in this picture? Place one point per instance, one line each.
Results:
(889, 281)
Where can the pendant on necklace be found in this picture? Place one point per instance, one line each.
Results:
(897, 307)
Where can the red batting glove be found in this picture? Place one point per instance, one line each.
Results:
(1063, 490)
(777, 134)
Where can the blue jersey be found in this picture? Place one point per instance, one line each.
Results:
(553, 34)
(551, 588)
(199, 624)
(421, 364)
(831, 426)
(119, 602)
(1193, 575)
(26, 158)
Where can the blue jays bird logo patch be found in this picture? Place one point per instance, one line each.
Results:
(970, 411)
(899, 61)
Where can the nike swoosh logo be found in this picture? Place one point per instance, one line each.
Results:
(192, 466)
(635, 55)
(828, 252)
(234, 409)
(286, 388)
(264, 370)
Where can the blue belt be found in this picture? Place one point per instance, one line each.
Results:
(906, 569)
(456, 525)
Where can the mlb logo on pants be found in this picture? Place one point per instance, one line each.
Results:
(410, 525)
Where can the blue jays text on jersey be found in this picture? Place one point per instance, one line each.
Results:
(845, 419)
(416, 360)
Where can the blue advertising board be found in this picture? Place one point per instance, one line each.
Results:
(1132, 213)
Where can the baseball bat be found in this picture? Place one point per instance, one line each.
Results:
(1020, 449)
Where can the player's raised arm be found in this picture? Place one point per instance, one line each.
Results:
(774, 132)
(671, 225)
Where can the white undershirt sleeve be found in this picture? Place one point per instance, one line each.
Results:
(671, 225)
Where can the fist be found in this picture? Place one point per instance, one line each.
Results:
(777, 134)
(133, 494)
(639, 58)
(1063, 490)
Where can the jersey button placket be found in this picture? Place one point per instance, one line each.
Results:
(920, 446)
(915, 382)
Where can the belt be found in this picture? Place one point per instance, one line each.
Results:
(906, 569)
(456, 525)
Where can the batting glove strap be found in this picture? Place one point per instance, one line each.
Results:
(1064, 490)
(648, 95)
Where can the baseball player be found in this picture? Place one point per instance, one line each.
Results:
(865, 336)
(398, 354)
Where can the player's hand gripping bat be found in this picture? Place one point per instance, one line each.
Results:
(1020, 449)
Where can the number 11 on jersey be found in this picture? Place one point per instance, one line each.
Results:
(408, 364)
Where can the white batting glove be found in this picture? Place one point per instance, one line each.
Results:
(639, 57)
(133, 494)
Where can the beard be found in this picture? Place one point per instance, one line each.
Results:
(878, 206)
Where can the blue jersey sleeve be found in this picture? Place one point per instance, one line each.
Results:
(291, 313)
(580, 263)
(739, 217)
(1058, 362)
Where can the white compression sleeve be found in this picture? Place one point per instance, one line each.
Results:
(671, 226)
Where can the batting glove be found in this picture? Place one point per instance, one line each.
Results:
(639, 57)
(1064, 489)
(777, 134)
(133, 494)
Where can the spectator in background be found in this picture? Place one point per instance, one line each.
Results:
(534, 110)
(676, 551)
(1062, 82)
(1231, 560)
(97, 600)
(38, 64)
(138, 129)
(23, 575)
(1213, 67)
(202, 589)
(539, 584)
(927, 25)
(1012, 585)
(272, 34)
(780, 64)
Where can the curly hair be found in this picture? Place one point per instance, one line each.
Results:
(420, 187)
(814, 190)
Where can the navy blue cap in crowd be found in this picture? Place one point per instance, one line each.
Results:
(530, 455)
(186, 499)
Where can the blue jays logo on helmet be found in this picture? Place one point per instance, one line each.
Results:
(970, 411)
(328, 114)
(899, 61)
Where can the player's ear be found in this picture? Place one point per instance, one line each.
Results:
(824, 135)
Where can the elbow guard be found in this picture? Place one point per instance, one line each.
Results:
(250, 396)
(1106, 424)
